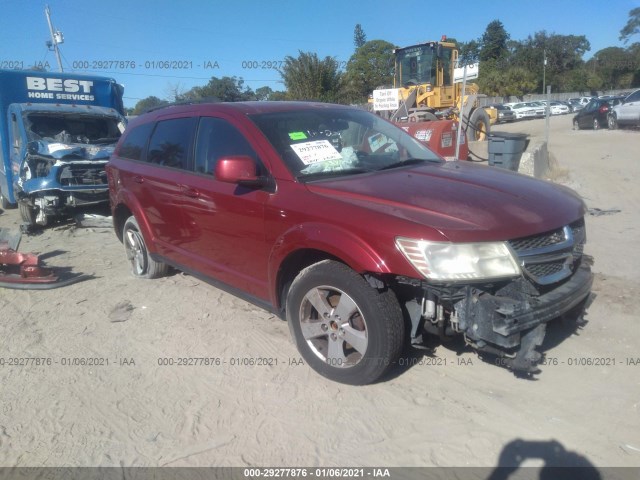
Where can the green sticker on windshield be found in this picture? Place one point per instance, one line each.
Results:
(297, 136)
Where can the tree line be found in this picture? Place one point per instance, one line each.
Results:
(507, 68)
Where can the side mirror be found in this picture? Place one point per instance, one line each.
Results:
(240, 170)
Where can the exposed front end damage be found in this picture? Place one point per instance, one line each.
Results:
(507, 318)
(63, 166)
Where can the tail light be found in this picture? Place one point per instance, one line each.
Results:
(604, 109)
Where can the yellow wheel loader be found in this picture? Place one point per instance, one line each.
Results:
(427, 89)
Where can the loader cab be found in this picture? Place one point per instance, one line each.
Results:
(428, 63)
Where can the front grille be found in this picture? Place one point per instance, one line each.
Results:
(538, 241)
(552, 256)
(82, 175)
(544, 269)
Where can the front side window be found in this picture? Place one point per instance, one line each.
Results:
(170, 144)
(317, 143)
(217, 138)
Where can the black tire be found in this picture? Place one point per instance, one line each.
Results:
(142, 265)
(480, 125)
(4, 202)
(612, 122)
(596, 124)
(27, 213)
(360, 333)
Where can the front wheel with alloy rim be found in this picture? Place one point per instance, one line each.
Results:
(345, 329)
(142, 265)
(612, 122)
(596, 124)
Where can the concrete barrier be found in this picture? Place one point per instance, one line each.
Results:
(535, 160)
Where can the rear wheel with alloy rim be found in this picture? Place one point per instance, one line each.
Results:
(142, 265)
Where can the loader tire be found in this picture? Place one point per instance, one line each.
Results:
(480, 125)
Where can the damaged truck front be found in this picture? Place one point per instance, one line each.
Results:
(57, 133)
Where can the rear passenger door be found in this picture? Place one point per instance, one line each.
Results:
(157, 180)
(225, 222)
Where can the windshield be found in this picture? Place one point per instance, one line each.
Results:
(337, 141)
(73, 128)
(417, 65)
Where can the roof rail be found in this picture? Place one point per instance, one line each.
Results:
(196, 101)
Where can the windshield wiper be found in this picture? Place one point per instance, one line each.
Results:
(409, 161)
(332, 173)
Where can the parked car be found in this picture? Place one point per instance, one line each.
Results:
(505, 114)
(576, 105)
(580, 102)
(522, 110)
(626, 113)
(539, 108)
(595, 114)
(348, 227)
(558, 108)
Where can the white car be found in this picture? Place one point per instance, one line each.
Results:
(557, 108)
(627, 113)
(522, 109)
(539, 107)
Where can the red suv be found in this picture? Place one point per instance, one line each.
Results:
(352, 230)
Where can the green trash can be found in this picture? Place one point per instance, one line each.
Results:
(506, 149)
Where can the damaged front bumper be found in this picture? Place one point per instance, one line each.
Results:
(499, 324)
(507, 320)
(50, 187)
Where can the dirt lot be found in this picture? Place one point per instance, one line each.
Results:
(449, 410)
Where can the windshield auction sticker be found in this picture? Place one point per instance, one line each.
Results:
(316, 151)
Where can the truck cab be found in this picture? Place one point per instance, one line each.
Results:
(57, 132)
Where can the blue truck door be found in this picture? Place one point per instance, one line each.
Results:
(15, 142)
(16, 150)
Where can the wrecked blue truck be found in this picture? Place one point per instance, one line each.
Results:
(57, 132)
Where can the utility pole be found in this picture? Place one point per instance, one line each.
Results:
(56, 38)
(544, 69)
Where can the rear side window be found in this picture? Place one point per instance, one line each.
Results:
(134, 143)
(171, 141)
(217, 138)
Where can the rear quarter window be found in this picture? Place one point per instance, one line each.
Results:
(135, 141)
(170, 144)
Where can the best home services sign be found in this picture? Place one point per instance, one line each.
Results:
(60, 89)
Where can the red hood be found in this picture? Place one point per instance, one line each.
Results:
(461, 200)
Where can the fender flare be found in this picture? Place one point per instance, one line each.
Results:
(129, 200)
(336, 241)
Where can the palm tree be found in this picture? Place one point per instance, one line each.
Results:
(309, 78)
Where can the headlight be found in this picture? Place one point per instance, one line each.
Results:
(452, 262)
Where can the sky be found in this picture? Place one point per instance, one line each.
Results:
(154, 47)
